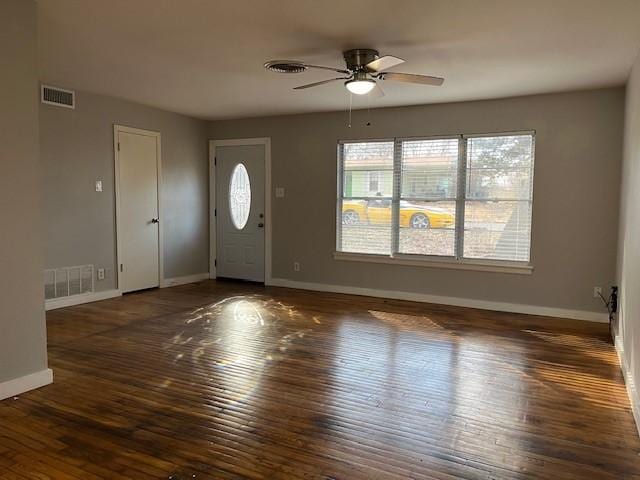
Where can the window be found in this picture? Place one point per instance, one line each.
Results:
(429, 170)
(239, 196)
(462, 198)
(366, 215)
(497, 210)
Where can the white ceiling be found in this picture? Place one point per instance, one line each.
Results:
(204, 57)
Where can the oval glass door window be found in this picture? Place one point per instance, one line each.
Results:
(239, 196)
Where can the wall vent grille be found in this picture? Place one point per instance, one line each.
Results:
(68, 281)
(58, 96)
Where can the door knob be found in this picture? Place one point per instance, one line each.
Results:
(155, 220)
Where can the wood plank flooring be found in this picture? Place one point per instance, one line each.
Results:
(224, 380)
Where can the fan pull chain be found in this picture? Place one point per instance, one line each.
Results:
(350, 106)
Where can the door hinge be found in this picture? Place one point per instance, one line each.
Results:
(118, 146)
(215, 160)
(215, 262)
(215, 212)
(121, 266)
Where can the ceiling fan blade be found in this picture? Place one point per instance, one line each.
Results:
(384, 63)
(412, 78)
(377, 92)
(315, 84)
(339, 70)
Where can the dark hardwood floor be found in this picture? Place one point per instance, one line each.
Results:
(232, 381)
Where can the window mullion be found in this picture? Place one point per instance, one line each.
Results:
(461, 196)
(395, 203)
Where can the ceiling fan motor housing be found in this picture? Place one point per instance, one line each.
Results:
(358, 58)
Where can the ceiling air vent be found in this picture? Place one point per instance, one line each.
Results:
(58, 96)
(285, 66)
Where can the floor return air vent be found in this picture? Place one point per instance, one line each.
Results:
(68, 281)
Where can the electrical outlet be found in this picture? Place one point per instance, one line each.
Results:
(597, 292)
(296, 266)
(101, 274)
(279, 192)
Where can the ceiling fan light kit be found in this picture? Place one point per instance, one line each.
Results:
(360, 84)
(364, 67)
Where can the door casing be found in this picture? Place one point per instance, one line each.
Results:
(116, 130)
(213, 144)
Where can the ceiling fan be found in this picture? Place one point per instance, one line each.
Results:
(364, 67)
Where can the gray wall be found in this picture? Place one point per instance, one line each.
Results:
(77, 150)
(576, 194)
(22, 326)
(629, 246)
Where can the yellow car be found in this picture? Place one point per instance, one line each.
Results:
(378, 212)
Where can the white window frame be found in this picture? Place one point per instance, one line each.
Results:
(457, 261)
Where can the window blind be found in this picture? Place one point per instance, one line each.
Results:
(364, 217)
(462, 197)
(428, 192)
(497, 219)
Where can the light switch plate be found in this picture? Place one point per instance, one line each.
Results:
(279, 192)
(98, 185)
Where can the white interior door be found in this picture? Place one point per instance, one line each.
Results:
(138, 223)
(240, 206)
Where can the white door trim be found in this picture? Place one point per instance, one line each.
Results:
(213, 144)
(116, 130)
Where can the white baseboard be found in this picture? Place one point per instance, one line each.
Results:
(14, 387)
(172, 282)
(54, 303)
(454, 301)
(632, 391)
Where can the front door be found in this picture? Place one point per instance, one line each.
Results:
(240, 176)
(138, 199)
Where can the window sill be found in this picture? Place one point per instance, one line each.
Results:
(409, 260)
